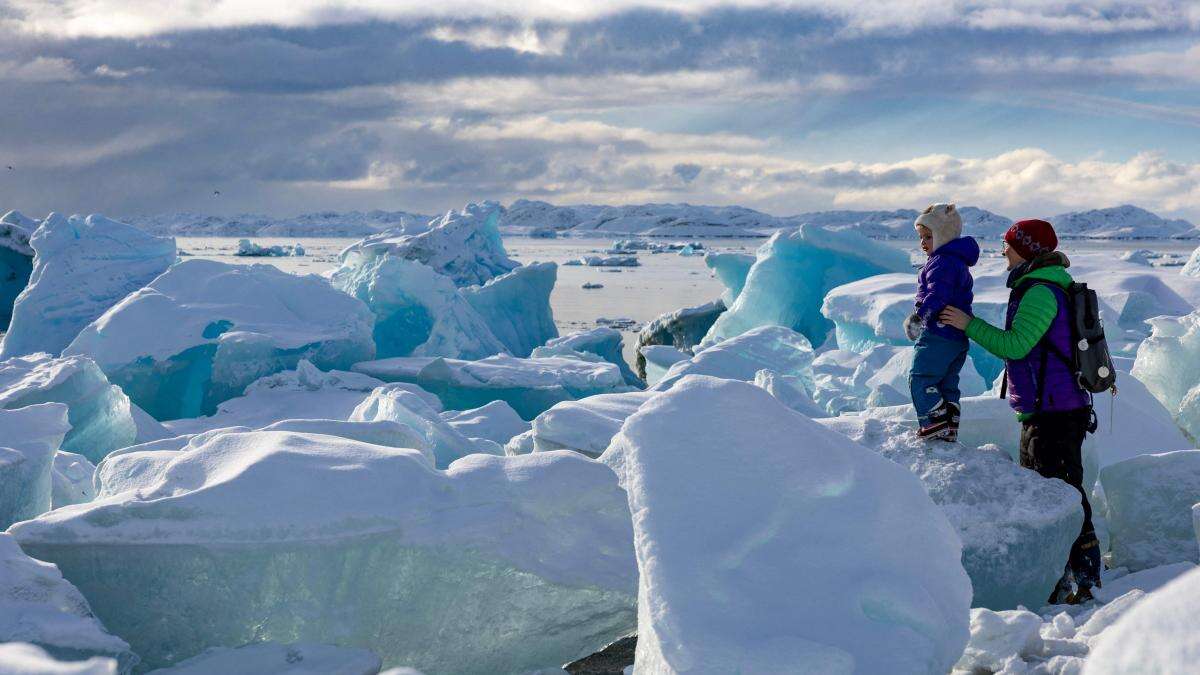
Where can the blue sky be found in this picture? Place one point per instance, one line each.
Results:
(1025, 107)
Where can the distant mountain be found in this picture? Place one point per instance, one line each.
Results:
(898, 224)
(1122, 222)
(652, 220)
(321, 224)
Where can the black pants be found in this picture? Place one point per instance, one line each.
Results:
(1052, 445)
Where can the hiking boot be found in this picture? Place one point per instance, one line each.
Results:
(954, 413)
(938, 425)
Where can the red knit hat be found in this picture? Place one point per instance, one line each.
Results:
(1031, 238)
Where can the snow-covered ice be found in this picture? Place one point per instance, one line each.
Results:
(201, 332)
(516, 306)
(22, 658)
(604, 342)
(587, 425)
(530, 386)
(273, 658)
(408, 405)
(1157, 636)
(72, 479)
(99, 412)
(1168, 362)
(82, 267)
(790, 391)
(1016, 527)
(29, 439)
(463, 245)
(793, 272)
(844, 381)
(1149, 508)
(740, 358)
(496, 421)
(773, 545)
(39, 607)
(302, 537)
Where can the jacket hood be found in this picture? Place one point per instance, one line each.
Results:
(963, 248)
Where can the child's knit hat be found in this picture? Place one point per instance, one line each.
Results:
(943, 221)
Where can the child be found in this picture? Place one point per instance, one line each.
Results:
(941, 349)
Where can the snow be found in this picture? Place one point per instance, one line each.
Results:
(201, 332)
(20, 658)
(38, 606)
(496, 421)
(516, 306)
(81, 268)
(790, 391)
(740, 358)
(996, 636)
(811, 553)
(272, 658)
(1157, 636)
(71, 479)
(1150, 499)
(1147, 580)
(604, 342)
(398, 403)
(1016, 527)
(658, 360)
(99, 412)
(792, 273)
(530, 386)
(304, 393)
(1121, 222)
(29, 438)
(423, 567)
(587, 425)
(731, 270)
(463, 245)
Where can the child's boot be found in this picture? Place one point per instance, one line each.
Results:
(939, 423)
(954, 413)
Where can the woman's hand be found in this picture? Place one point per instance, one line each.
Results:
(953, 316)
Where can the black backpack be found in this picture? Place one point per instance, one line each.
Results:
(1089, 358)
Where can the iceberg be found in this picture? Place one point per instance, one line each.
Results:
(422, 567)
(740, 358)
(846, 381)
(516, 306)
(197, 335)
(496, 421)
(16, 264)
(399, 403)
(249, 249)
(586, 426)
(29, 438)
(418, 312)
(1192, 267)
(813, 555)
(793, 272)
(788, 390)
(731, 269)
(1149, 500)
(610, 261)
(1168, 362)
(82, 267)
(462, 245)
(656, 360)
(304, 393)
(603, 342)
(1157, 636)
(1016, 527)
(273, 658)
(99, 412)
(682, 329)
(39, 607)
(531, 386)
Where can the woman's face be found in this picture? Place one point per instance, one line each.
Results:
(1013, 258)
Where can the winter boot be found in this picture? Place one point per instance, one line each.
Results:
(938, 425)
(954, 413)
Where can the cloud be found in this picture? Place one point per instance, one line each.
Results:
(139, 18)
(687, 172)
(526, 39)
(38, 70)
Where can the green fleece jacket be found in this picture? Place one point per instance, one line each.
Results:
(1035, 313)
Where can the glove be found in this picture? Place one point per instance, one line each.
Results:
(913, 326)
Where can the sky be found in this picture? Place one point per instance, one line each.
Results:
(1024, 107)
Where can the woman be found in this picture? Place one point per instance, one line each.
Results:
(1054, 411)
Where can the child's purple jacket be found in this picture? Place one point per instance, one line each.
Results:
(946, 280)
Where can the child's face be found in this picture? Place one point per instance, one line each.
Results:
(926, 236)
